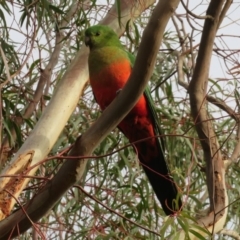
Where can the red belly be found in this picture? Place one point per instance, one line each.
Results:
(137, 125)
(107, 83)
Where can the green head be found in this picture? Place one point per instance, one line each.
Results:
(99, 36)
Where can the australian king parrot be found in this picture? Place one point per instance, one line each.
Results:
(110, 66)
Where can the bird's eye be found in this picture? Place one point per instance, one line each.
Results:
(97, 33)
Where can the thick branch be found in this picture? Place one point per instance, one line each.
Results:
(46, 132)
(204, 127)
(72, 171)
(231, 233)
(45, 77)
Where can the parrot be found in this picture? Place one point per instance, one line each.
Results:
(110, 66)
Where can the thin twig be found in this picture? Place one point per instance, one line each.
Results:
(217, 102)
(194, 15)
(224, 11)
(115, 212)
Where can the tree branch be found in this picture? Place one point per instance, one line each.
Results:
(45, 76)
(197, 91)
(215, 101)
(231, 233)
(71, 87)
(194, 15)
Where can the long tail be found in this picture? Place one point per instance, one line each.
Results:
(150, 153)
(162, 183)
(141, 127)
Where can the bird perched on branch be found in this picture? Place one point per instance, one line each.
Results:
(110, 66)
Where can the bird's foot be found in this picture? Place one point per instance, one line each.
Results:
(118, 91)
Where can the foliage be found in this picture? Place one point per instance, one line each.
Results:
(114, 199)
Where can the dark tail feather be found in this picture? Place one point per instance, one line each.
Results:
(162, 184)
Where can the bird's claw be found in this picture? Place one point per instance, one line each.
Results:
(118, 91)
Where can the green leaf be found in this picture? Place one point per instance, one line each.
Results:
(56, 9)
(184, 224)
(8, 126)
(197, 234)
(118, 7)
(166, 224)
